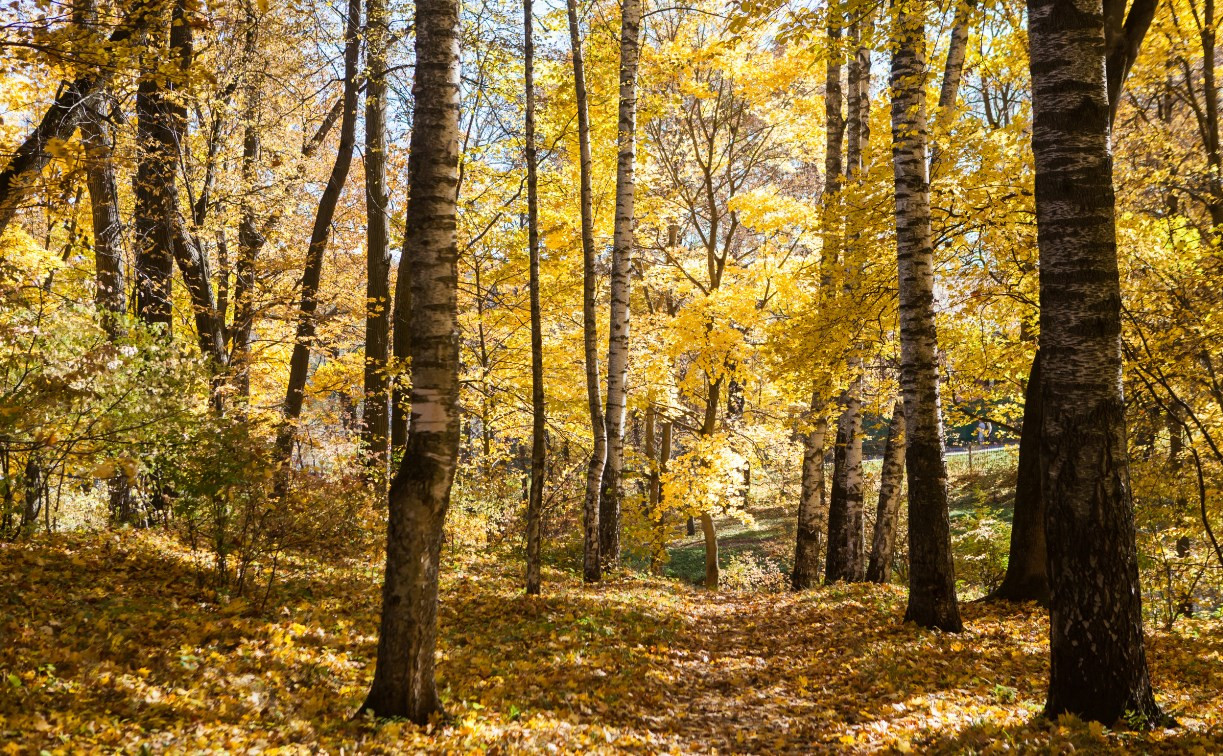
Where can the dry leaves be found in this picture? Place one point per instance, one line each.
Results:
(109, 644)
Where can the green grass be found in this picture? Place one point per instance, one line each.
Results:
(985, 488)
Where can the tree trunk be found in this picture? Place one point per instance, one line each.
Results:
(161, 235)
(622, 250)
(375, 428)
(155, 191)
(846, 559)
(250, 238)
(535, 499)
(401, 348)
(657, 458)
(712, 573)
(299, 363)
(1027, 575)
(708, 427)
(812, 514)
(57, 124)
(591, 565)
(932, 599)
(35, 500)
(111, 295)
(404, 684)
(812, 511)
(664, 458)
(890, 479)
(1098, 667)
(953, 72)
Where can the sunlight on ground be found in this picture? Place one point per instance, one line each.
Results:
(109, 644)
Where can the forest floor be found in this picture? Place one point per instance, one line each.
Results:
(108, 642)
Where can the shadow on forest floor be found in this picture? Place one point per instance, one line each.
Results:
(109, 643)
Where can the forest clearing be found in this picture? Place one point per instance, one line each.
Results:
(779, 376)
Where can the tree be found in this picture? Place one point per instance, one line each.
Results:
(846, 558)
(404, 684)
(111, 296)
(376, 425)
(162, 238)
(932, 599)
(1098, 664)
(312, 273)
(622, 251)
(535, 500)
(61, 119)
(891, 477)
(591, 563)
(812, 507)
(1027, 573)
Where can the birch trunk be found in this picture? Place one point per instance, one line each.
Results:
(591, 564)
(932, 599)
(1098, 667)
(846, 523)
(812, 515)
(404, 683)
(891, 478)
(622, 250)
(812, 509)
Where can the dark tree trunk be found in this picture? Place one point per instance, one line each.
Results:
(111, 295)
(891, 477)
(156, 193)
(591, 564)
(375, 426)
(1098, 667)
(299, 363)
(35, 487)
(161, 235)
(712, 572)
(108, 261)
(932, 599)
(57, 124)
(535, 498)
(250, 238)
(1027, 575)
(708, 427)
(401, 348)
(658, 466)
(622, 250)
(404, 684)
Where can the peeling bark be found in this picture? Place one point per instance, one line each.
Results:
(932, 599)
(404, 684)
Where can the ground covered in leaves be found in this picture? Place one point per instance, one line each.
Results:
(108, 642)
